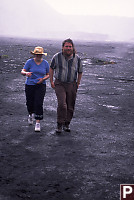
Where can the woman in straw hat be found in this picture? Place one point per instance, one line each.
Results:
(37, 72)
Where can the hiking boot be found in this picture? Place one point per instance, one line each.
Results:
(59, 128)
(31, 119)
(37, 127)
(66, 127)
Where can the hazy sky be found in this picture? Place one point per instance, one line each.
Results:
(112, 19)
(94, 7)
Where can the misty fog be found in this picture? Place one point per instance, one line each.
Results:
(29, 18)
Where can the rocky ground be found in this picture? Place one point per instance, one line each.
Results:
(91, 161)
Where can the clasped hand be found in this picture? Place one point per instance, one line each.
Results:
(28, 74)
(40, 80)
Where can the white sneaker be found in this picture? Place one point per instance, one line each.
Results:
(30, 119)
(37, 127)
(33, 116)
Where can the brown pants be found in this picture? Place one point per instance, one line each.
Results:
(66, 96)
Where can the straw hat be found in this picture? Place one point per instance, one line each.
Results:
(38, 51)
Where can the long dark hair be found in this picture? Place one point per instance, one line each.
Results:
(71, 42)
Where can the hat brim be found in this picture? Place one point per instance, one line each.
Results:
(38, 53)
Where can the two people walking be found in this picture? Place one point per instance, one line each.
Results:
(65, 73)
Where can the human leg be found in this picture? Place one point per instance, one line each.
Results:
(29, 91)
(62, 106)
(38, 104)
(38, 101)
(71, 92)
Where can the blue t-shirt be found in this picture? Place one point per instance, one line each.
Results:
(38, 71)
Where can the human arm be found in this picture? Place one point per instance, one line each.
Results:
(79, 79)
(80, 71)
(46, 75)
(25, 73)
(51, 72)
(43, 79)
